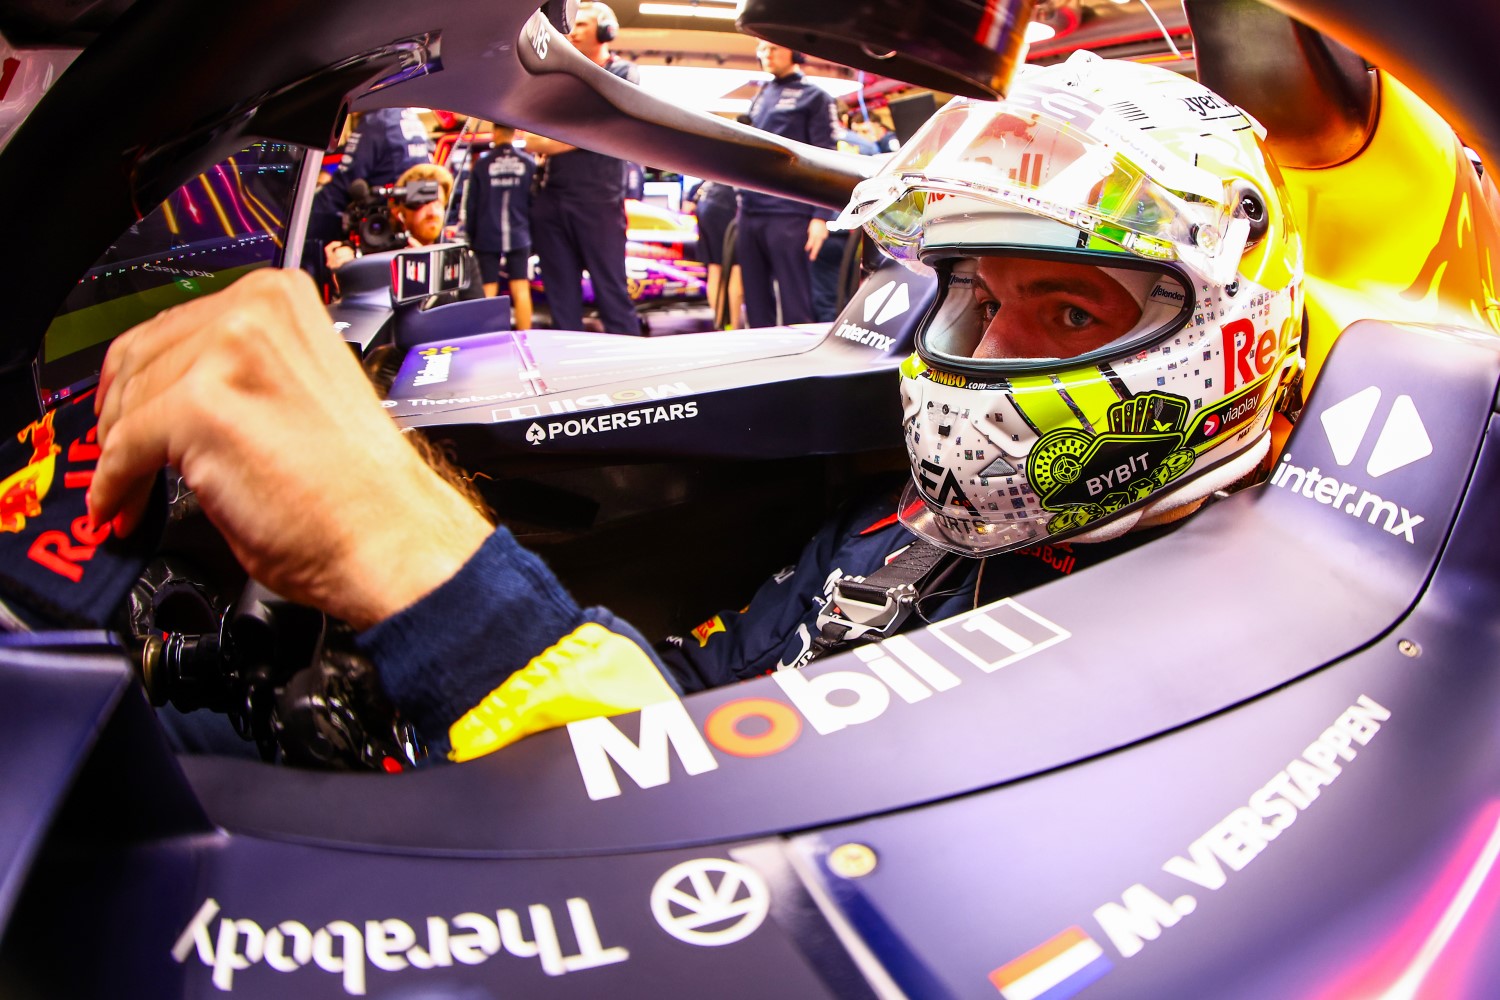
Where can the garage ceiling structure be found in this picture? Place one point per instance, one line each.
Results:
(667, 36)
(702, 33)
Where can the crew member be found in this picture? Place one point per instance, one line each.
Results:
(578, 214)
(382, 145)
(1049, 347)
(778, 237)
(497, 214)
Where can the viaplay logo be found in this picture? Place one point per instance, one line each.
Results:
(1402, 440)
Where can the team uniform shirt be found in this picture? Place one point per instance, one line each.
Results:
(505, 611)
(793, 109)
(386, 143)
(497, 200)
(584, 175)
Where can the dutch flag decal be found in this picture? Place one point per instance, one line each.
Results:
(1054, 970)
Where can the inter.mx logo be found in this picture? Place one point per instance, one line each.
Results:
(1401, 441)
(883, 304)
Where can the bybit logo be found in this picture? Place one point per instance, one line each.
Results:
(1402, 440)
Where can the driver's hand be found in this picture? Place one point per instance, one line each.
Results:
(817, 233)
(261, 406)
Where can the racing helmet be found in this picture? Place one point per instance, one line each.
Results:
(1119, 306)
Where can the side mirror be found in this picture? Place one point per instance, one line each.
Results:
(422, 272)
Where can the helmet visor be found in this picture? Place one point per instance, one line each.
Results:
(1071, 166)
(1006, 310)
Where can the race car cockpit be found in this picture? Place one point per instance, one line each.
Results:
(1139, 780)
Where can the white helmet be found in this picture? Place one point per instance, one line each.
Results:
(1119, 306)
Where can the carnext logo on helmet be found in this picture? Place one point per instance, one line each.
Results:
(911, 667)
(1402, 441)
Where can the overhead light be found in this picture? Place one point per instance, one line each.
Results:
(690, 10)
(1036, 31)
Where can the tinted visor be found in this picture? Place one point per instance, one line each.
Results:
(1000, 310)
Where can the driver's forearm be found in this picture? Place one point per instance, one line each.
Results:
(502, 650)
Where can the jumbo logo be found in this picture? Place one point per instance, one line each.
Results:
(904, 666)
(947, 378)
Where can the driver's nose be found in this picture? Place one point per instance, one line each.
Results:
(1003, 338)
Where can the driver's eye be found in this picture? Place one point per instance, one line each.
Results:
(1077, 318)
(988, 310)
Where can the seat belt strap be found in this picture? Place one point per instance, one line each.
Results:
(873, 607)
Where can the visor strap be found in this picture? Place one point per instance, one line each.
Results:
(875, 607)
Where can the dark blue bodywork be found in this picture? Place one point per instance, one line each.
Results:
(1255, 758)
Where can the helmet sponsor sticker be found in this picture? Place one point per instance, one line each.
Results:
(1230, 414)
(1084, 477)
(1073, 959)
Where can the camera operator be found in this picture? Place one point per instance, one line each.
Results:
(410, 215)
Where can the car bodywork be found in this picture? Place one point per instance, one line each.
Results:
(1253, 758)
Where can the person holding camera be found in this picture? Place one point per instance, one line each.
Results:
(381, 146)
(418, 206)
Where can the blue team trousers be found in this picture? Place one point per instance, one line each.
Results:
(570, 235)
(770, 253)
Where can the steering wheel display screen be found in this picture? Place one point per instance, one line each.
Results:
(226, 221)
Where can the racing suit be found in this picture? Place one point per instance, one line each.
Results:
(773, 231)
(443, 668)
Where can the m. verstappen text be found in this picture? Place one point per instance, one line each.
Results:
(989, 639)
(347, 948)
(1240, 837)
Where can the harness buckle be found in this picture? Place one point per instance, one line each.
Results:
(860, 616)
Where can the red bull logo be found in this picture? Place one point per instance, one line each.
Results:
(54, 466)
(21, 492)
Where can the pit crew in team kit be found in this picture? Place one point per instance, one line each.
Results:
(779, 237)
(383, 144)
(497, 218)
(1066, 400)
(578, 214)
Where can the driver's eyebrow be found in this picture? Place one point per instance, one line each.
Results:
(1070, 286)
